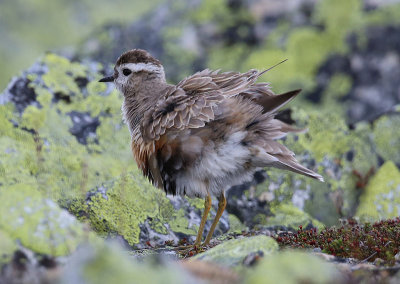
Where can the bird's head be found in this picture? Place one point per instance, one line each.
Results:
(133, 68)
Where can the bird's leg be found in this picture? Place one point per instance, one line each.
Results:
(207, 207)
(221, 208)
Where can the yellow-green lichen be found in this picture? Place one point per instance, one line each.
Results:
(293, 267)
(292, 217)
(61, 74)
(381, 198)
(109, 264)
(130, 201)
(37, 222)
(387, 137)
(308, 47)
(232, 252)
(235, 226)
(7, 248)
(49, 158)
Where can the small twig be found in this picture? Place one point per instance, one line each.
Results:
(372, 255)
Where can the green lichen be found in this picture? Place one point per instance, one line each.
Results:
(291, 217)
(232, 252)
(293, 267)
(381, 198)
(332, 149)
(179, 223)
(386, 138)
(308, 47)
(61, 74)
(49, 159)
(327, 136)
(130, 201)
(37, 222)
(235, 226)
(7, 248)
(107, 263)
(339, 86)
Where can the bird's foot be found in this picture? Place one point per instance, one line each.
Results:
(189, 250)
(183, 247)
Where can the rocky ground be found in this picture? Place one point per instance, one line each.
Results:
(75, 208)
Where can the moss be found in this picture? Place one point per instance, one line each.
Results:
(293, 267)
(382, 194)
(7, 248)
(291, 217)
(232, 252)
(38, 223)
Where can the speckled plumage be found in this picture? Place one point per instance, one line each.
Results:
(207, 133)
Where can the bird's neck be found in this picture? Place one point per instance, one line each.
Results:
(138, 101)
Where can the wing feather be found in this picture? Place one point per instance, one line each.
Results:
(193, 101)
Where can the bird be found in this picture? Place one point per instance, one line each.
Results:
(207, 133)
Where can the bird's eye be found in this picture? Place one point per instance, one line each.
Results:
(126, 71)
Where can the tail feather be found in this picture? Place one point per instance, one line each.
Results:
(273, 103)
(291, 164)
(286, 128)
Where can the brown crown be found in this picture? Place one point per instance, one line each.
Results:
(137, 56)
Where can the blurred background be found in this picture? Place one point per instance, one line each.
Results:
(65, 153)
(345, 50)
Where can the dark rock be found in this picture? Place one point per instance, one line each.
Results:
(84, 126)
(20, 94)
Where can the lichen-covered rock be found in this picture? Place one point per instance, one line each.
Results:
(7, 247)
(335, 151)
(62, 134)
(294, 267)
(37, 222)
(387, 137)
(144, 216)
(233, 252)
(333, 64)
(108, 264)
(381, 199)
(289, 216)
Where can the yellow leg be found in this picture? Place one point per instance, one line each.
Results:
(221, 208)
(207, 207)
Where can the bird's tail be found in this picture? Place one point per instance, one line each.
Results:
(290, 163)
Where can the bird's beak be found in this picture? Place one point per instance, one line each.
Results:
(107, 79)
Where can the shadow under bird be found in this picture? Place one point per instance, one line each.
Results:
(209, 132)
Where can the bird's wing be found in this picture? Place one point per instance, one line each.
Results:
(193, 101)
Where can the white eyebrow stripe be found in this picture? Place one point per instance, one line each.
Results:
(137, 67)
